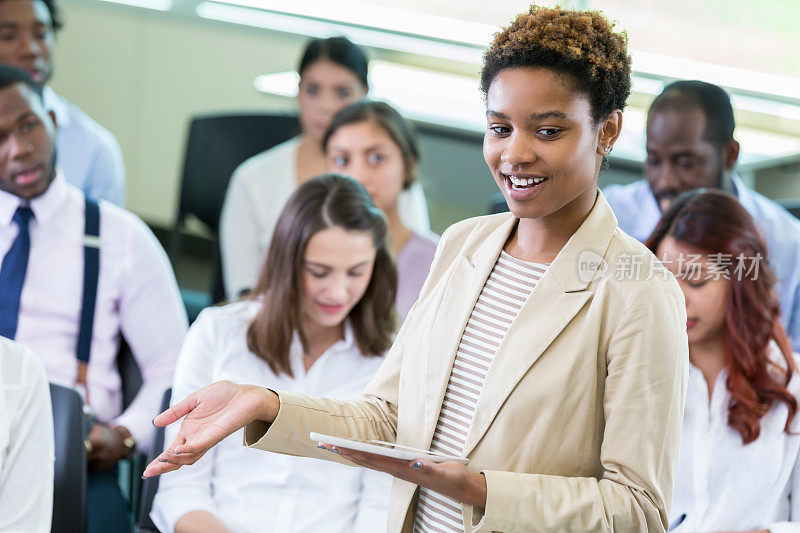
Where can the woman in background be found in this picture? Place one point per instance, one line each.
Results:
(318, 322)
(371, 142)
(738, 464)
(333, 74)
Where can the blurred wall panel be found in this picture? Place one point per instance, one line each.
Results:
(143, 75)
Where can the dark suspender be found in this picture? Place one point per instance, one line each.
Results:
(91, 271)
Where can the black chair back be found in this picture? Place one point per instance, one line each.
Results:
(129, 372)
(144, 524)
(216, 145)
(69, 487)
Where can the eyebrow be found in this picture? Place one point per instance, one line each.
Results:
(326, 267)
(681, 153)
(371, 148)
(15, 24)
(26, 115)
(533, 116)
(336, 86)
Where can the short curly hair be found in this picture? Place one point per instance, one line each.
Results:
(581, 44)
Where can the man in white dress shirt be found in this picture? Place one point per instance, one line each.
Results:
(43, 243)
(88, 153)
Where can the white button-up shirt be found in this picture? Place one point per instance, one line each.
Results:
(88, 153)
(26, 442)
(251, 490)
(137, 296)
(723, 485)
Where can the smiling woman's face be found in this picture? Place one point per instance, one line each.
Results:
(541, 142)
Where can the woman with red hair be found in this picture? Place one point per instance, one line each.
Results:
(737, 465)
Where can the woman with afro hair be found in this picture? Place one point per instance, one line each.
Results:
(547, 347)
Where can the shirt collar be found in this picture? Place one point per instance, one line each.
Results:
(349, 336)
(56, 104)
(8, 206)
(44, 206)
(49, 203)
(740, 191)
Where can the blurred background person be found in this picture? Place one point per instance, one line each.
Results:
(26, 442)
(738, 466)
(690, 145)
(371, 142)
(318, 322)
(88, 153)
(333, 74)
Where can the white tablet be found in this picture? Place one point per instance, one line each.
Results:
(386, 449)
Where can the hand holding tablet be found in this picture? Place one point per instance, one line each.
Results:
(386, 449)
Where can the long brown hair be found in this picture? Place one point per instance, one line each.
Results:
(323, 202)
(715, 222)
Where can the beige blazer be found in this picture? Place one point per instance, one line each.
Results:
(578, 423)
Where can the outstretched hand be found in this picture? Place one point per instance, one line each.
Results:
(211, 414)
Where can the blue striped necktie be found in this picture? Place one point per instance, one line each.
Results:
(12, 273)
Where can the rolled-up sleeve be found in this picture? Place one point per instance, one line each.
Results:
(153, 323)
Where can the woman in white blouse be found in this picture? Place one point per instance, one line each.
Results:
(318, 322)
(333, 74)
(738, 462)
(26, 441)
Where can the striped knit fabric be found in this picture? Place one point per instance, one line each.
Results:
(506, 289)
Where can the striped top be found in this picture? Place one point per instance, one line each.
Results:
(506, 289)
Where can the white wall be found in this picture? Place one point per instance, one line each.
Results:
(144, 75)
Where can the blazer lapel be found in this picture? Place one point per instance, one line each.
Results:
(557, 298)
(463, 288)
(546, 313)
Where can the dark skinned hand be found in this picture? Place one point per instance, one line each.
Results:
(107, 448)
